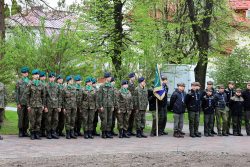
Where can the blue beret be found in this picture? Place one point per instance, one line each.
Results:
(78, 78)
(94, 80)
(124, 82)
(141, 79)
(35, 71)
(131, 75)
(42, 74)
(88, 79)
(107, 74)
(112, 79)
(59, 77)
(52, 74)
(24, 69)
(68, 78)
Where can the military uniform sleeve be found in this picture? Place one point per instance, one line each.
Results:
(172, 100)
(27, 90)
(135, 99)
(99, 96)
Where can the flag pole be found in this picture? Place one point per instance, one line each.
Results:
(157, 119)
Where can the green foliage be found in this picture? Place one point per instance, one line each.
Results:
(235, 67)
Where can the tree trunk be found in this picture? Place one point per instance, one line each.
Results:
(201, 33)
(118, 35)
(2, 25)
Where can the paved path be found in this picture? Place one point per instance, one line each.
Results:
(14, 147)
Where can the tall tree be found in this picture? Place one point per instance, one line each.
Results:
(201, 12)
(2, 25)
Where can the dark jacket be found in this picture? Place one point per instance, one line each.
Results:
(164, 102)
(193, 101)
(177, 102)
(151, 100)
(246, 97)
(220, 100)
(208, 104)
(230, 93)
(236, 104)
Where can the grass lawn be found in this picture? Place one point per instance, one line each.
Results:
(10, 123)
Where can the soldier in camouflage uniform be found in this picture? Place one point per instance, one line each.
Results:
(230, 91)
(114, 116)
(125, 106)
(61, 117)
(89, 106)
(42, 78)
(21, 100)
(79, 119)
(131, 88)
(36, 101)
(51, 106)
(106, 103)
(96, 112)
(3, 102)
(140, 104)
(69, 107)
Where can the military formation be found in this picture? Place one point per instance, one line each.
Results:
(48, 106)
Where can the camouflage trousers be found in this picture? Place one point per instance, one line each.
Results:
(88, 118)
(78, 119)
(194, 119)
(1, 117)
(95, 121)
(131, 122)
(140, 119)
(51, 119)
(61, 121)
(70, 116)
(106, 118)
(35, 117)
(23, 118)
(123, 119)
(221, 114)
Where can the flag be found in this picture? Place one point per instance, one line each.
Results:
(159, 91)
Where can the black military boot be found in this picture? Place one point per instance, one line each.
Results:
(213, 132)
(143, 135)
(108, 135)
(49, 135)
(104, 135)
(121, 133)
(54, 135)
(1, 138)
(138, 133)
(20, 133)
(86, 135)
(67, 134)
(72, 134)
(176, 134)
(25, 133)
(37, 136)
(32, 136)
(125, 134)
(90, 134)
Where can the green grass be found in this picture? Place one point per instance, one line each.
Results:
(10, 123)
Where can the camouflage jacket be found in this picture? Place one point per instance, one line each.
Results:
(106, 96)
(60, 94)
(89, 98)
(35, 94)
(3, 96)
(21, 94)
(79, 92)
(52, 95)
(124, 100)
(140, 98)
(69, 97)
